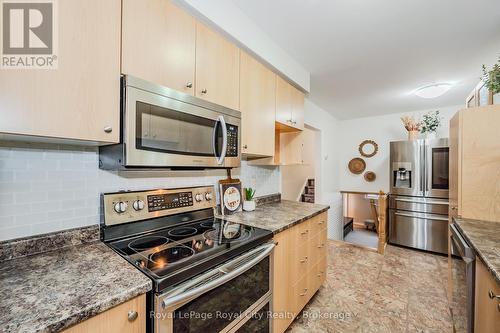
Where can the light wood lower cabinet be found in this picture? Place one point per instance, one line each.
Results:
(116, 320)
(299, 266)
(487, 308)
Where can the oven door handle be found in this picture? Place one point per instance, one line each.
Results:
(226, 272)
(222, 121)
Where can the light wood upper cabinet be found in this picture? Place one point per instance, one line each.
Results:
(257, 106)
(475, 163)
(80, 98)
(283, 101)
(487, 308)
(297, 108)
(128, 317)
(158, 43)
(289, 106)
(217, 68)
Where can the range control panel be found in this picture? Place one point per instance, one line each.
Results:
(123, 207)
(169, 201)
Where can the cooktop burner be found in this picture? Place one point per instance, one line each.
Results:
(182, 231)
(144, 243)
(176, 253)
(171, 255)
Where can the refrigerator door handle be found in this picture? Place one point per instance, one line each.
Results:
(422, 169)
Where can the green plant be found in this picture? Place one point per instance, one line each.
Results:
(430, 122)
(492, 78)
(249, 193)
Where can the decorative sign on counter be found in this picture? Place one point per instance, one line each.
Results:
(230, 196)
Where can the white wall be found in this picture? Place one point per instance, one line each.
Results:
(229, 18)
(327, 170)
(45, 188)
(381, 129)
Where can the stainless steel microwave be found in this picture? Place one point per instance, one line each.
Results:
(164, 128)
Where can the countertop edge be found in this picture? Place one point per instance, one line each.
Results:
(97, 308)
(494, 273)
(299, 221)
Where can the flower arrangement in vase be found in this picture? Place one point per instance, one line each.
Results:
(249, 202)
(491, 80)
(430, 123)
(412, 126)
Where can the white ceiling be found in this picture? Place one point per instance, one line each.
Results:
(366, 57)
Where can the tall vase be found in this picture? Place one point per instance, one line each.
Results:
(413, 135)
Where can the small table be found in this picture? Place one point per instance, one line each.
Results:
(348, 225)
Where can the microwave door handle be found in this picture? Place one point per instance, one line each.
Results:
(220, 159)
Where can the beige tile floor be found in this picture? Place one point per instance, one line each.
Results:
(402, 291)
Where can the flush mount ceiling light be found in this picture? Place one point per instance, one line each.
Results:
(433, 90)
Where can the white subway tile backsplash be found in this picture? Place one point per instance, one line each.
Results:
(45, 187)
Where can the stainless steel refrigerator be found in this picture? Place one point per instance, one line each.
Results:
(418, 207)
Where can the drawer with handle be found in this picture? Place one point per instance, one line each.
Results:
(319, 223)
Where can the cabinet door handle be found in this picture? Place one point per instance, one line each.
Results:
(321, 246)
(132, 315)
(245, 146)
(492, 295)
(304, 232)
(304, 293)
(108, 129)
(321, 222)
(304, 260)
(189, 85)
(204, 91)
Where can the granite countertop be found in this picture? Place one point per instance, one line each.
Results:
(278, 216)
(484, 237)
(49, 291)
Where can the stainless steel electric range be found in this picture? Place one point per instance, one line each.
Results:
(209, 274)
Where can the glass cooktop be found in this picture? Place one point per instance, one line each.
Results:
(174, 254)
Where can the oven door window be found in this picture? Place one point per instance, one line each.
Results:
(216, 309)
(170, 131)
(440, 173)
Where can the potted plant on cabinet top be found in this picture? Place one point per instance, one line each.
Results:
(492, 81)
(430, 123)
(412, 126)
(249, 203)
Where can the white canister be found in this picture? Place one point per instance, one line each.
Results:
(249, 206)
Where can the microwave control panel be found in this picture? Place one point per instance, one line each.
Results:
(232, 141)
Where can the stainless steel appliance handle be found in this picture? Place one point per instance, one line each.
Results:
(423, 202)
(424, 217)
(462, 246)
(228, 273)
(222, 156)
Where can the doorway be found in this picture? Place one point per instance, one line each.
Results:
(365, 219)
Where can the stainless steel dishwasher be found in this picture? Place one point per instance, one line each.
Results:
(463, 271)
